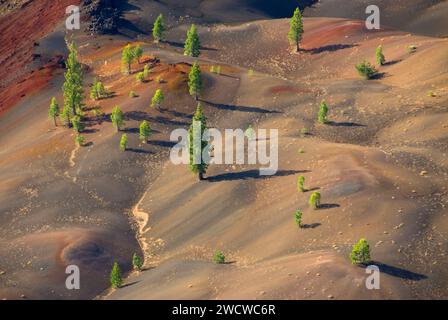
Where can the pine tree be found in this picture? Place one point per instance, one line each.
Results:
(65, 116)
(117, 118)
(360, 252)
(137, 53)
(77, 124)
(315, 200)
(301, 184)
(158, 29)
(219, 257)
(192, 44)
(195, 81)
(380, 59)
(115, 277)
(157, 99)
(298, 218)
(196, 148)
(296, 30)
(80, 140)
(53, 112)
(145, 131)
(146, 71)
(137, 262)
(127, 58)
(72, 88)
(366, 70)
(140, 77)
(323, 111)
(123, 142)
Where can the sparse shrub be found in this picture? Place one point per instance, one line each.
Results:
(80, 140)
(98, 113)
(117, 118)
(218, 70)
(127, 57)
(140, 77)
(157, 99)
(192, 44)
(411, 48)
(314, 201)
(213, 69)
(250, 73)
(145, 131)
(53, 112)
(98, 91)
(249, 132)
(304, 132)
(123, 142)
(132, 94)
(431, 94)
(323, 112)
(137, 262)
(146, 70)
(219, 257)
(301, 150)
(115, 277)
(298, 218)
(366, 70)
(137, 52)
(360, 252)
(380, 59)
(77, 124)
(301, 184)
(159, 79)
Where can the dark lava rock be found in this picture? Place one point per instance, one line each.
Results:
(104, 15)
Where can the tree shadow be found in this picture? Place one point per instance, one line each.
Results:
(140, 116)
(131, 130)
(182, 45)
(165, 144)
(345, 124)
(329, 48)
(239, 108)
(328, 206)
(130, 284)
(250, 174)
(392, 62)
(311, 226)
(139, 151)
(378, 76)
(229, 262)
(397, 272)
(311, 189)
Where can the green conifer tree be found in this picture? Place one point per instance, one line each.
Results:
(197, 145)
(158, 29)
(115, 277)
(195, 81)
(53, 112)
(296, 30)
(117, 118)
(192, 44)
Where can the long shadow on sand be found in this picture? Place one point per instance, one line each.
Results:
(160, 143)
(311, 225)
(345, 124)
(141, 151)
(329, 48)
(328, 206)
(239, 108)
(140, 116)
(398, 272)
(250, 174)
(181, 45)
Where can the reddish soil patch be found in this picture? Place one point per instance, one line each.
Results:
(19, 31)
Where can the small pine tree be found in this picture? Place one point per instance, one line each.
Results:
(115, 277)
(301, 184)
(78, 126)
(137, 262)
(296, 30)
(73, 85)
(157, 99)
(117, 118)
(140, 77)
(123, 142)
(94, 94)
(360, 252)
(315, 200)
(298, 218)
(192, 44)
(366, 70)
(323, 111)
(158, 29)
(195, 81)
(380, 59)
(53, 112)
(146, 70)
(196, 148)
(126, 58)
(102, 91)
(65, 116)
(219, 257)
(137, 53)
(80, 140)
(132, 94)
(145, 131)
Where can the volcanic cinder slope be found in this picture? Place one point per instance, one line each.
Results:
(380, 165)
